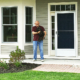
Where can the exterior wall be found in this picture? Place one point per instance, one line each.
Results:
(42, 17)
(29, 50)
(6, 48)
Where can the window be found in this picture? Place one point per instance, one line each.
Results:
(9, 24)
(62, 7)
(53, 31)
(70, 7)
(52, 7)
(57, 7)
(28, 26)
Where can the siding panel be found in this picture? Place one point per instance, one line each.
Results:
(6, 49)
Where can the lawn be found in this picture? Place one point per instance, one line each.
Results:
(39, 75)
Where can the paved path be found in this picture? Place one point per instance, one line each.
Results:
(58, 68)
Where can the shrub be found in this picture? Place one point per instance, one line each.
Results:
(4, 64)
(17, 64)
(17, 56)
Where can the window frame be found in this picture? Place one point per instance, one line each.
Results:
(29, 24)
(61, 5)
(2, 25)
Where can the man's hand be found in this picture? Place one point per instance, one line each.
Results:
(39, 32)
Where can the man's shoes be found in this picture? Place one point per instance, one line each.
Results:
(34, 60)
(42, 60)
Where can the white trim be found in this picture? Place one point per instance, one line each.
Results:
(76, 31)
(49, 45)
(60, 3)
(28, 44)
(56, 3)
(45, 56)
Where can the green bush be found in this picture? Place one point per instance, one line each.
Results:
(17, 64)
(17, 56)
(4, 64)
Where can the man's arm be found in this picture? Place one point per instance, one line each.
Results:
(35, 32)
(44, 33)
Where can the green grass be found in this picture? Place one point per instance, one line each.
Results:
(39, 75)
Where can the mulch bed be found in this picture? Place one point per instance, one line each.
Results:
(12, 68)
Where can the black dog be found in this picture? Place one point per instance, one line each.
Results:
(41, 34)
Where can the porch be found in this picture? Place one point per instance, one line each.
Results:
(56, 60)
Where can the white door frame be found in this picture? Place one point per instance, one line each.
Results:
(49, 25)
(65, 52)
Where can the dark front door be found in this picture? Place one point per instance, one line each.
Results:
(65, 30)
(65, 33)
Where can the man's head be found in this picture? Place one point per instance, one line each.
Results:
(37, 23)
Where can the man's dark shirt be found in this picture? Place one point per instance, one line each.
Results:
(36, 36)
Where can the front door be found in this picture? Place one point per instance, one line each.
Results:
(65, 34)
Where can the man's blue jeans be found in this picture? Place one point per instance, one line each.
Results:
(35, 44)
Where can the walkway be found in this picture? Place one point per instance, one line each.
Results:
(57, 65)
(58, 68)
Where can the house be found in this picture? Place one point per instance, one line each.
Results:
(60, 18)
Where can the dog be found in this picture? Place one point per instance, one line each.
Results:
(41, 34)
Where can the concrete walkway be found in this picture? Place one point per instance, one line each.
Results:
(54, 61)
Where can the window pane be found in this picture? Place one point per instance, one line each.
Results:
(73, 7)
(13, 11)
(28, 19)
(6, 11)
(13, 19)
(57, 7)
(10, 33)
(10, 15)
(68, 7)
(28, 33)
(5, 20)
(52, 32)
(52, 7)
(53, 25)
(28, 15)
(53, 19)
(53, 43)
(62, 7)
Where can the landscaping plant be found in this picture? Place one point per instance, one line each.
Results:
(4, 64)
(17, 64)
(17, 56)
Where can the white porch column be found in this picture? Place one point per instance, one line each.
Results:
(20, 27)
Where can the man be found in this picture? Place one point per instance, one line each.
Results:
(36, 42)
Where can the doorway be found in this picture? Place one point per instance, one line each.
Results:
(65, 34)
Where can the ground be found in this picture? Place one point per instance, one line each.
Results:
(13, 68)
